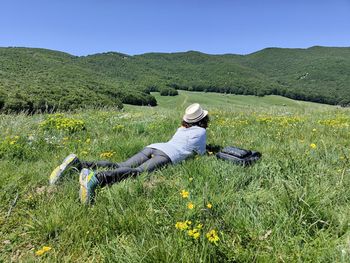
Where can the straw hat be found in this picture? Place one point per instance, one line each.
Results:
(194, 113)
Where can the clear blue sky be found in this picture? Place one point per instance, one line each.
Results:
(82, 27)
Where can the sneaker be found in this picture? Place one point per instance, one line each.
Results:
(60, 171)
(88, 183)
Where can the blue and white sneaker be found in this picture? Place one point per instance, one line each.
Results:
(88, 184)
(60, 171)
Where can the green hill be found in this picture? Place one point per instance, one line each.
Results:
(39, 79)
(318, 74)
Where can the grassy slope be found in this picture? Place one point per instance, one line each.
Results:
(291, 206)
(234, 101)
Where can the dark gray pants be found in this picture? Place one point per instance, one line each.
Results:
(147, 160)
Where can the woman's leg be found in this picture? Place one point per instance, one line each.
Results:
(133, 161)
(138, 159)
(158, 160)
(98, 164)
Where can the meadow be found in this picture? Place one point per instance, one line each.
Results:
(291, 206)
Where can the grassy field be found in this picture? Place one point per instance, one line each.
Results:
(292, 206)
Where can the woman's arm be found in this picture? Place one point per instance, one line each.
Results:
(198, 143)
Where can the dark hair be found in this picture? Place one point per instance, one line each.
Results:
(202, 123)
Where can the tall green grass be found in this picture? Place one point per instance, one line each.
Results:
(293, 205)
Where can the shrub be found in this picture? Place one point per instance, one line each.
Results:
(59, 122)
(168, 92)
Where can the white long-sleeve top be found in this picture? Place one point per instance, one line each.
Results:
(184, 143)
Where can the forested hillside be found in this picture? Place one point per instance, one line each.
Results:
(43, 80)
(319, 74)
(39, 79)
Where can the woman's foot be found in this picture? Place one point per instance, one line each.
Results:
(88, 184)
(60, 171)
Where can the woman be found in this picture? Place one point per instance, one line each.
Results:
(189, 139)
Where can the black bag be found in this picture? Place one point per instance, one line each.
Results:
(238, 156)
(237, 152)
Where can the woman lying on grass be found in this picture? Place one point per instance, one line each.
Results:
(189, 139)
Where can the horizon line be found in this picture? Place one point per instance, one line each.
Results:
(175, 52)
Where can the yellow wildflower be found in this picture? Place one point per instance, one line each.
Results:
(314, 130)
(88, 140)
(183, 225)
(42, 251)
(106, 154)
(313, 146)
(39, 252)
(209, 205)
(190, 205)
(190, 179)
(212, 236)
(194, 233)
(45, 248)
(184, 194)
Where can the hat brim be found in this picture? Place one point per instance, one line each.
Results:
(202, 116)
